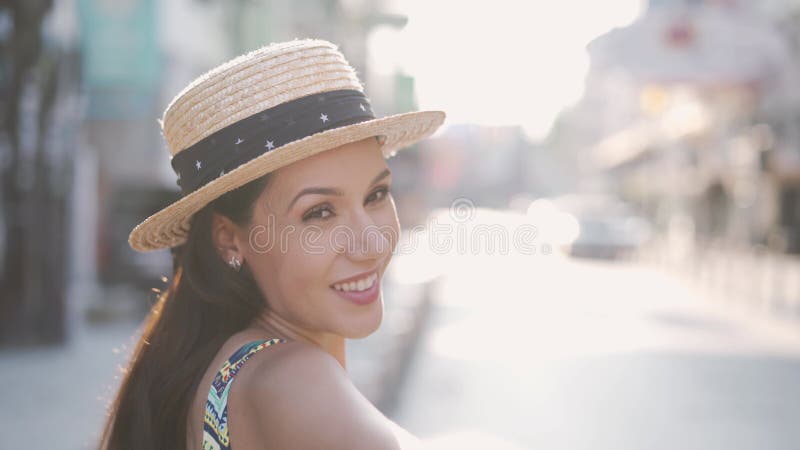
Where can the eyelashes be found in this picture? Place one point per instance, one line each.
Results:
(325, 210)
(316, 212)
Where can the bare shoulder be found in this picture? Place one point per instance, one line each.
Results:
(301, 397)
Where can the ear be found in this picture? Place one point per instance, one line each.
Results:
(225, 236)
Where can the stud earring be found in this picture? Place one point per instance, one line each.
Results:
(235, 263)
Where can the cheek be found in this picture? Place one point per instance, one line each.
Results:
(292, 271)
(306, 263)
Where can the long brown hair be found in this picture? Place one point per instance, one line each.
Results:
(206, 302)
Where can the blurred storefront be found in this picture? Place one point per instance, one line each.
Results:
(691, 112)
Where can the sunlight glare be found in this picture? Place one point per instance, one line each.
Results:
(516, 64)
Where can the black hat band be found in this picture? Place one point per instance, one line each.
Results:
(242, 141)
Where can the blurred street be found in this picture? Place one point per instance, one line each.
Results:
(621, 181)
(549, 352)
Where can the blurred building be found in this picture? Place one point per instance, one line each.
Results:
(486, 165)
(691, 112)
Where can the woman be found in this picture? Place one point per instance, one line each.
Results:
(283, 231)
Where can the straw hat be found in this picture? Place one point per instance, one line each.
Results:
(259, 112)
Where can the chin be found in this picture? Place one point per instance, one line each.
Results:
(364, 326)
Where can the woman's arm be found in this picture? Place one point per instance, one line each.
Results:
(303, 399)
(405, 440)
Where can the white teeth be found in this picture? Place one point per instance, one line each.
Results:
(360, 285)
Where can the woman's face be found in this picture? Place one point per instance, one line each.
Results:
(320, 221)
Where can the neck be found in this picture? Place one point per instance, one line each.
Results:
(271, 326)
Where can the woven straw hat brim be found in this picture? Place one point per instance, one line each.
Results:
(170, 226)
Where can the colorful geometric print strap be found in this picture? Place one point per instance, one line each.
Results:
(215, 424)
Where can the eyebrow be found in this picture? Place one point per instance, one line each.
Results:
(332, 191)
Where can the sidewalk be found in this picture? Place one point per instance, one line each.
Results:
(746, 281)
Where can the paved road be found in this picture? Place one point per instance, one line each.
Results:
(547, 352)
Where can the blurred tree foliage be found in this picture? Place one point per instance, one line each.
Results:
(35, 166)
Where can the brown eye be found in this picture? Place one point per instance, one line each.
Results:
(321, 212)
(379, 194)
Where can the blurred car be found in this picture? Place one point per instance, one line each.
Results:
(600, 226)
(609, 237)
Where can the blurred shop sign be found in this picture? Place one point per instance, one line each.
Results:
(120, 55)
(404, 93)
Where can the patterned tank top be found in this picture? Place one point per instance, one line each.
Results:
(215, 424)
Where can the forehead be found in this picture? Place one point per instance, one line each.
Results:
(353, 164)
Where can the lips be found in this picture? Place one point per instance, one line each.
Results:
(361, 289)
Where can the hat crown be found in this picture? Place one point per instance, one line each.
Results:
(254, 82)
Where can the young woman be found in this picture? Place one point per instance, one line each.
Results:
(284, 229)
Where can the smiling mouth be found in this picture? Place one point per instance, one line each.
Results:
(359, 285)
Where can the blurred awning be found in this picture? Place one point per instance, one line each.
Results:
(625, 145)
(684, 119)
